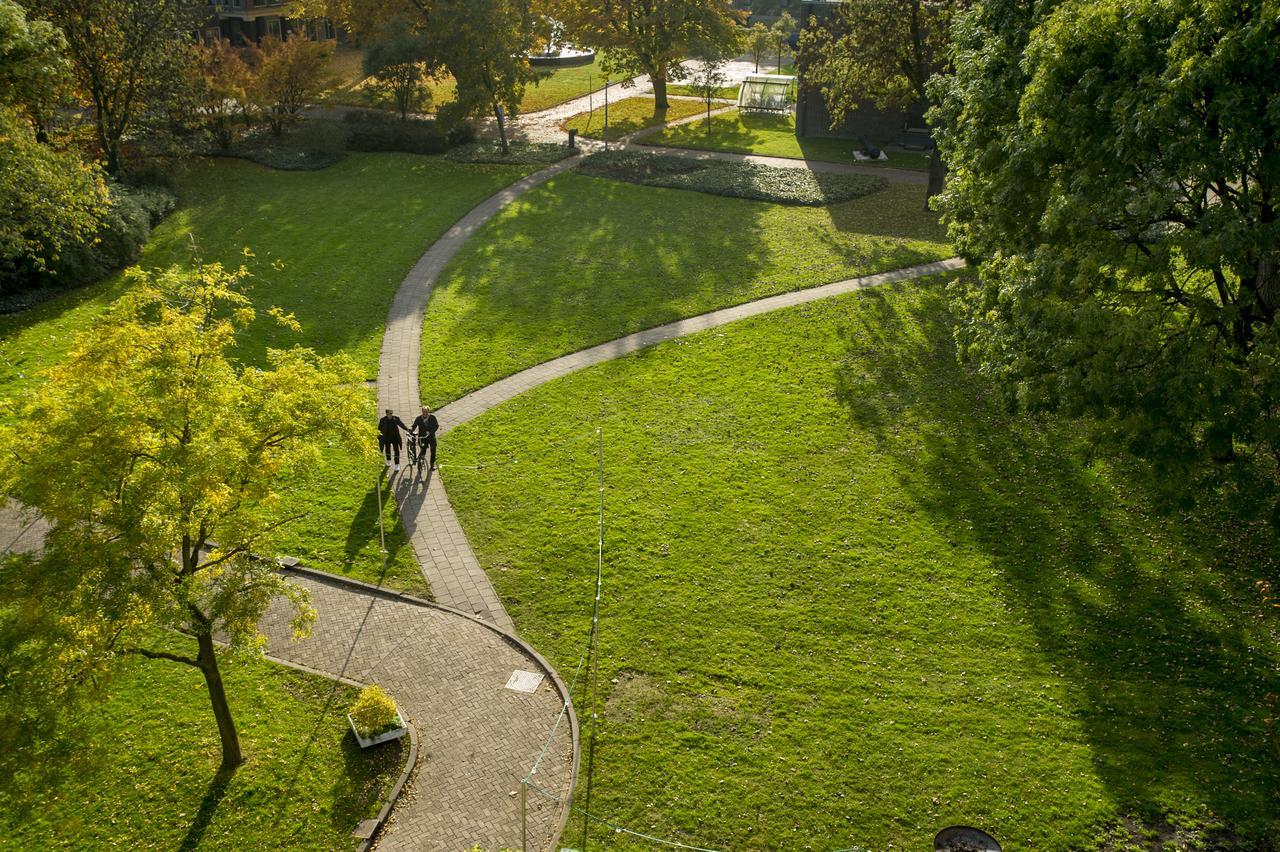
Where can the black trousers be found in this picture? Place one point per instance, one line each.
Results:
(430, 441)
(387, 445)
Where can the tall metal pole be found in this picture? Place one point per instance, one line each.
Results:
(382, 533)
(593, 650)
(606, 113)
(524, 818)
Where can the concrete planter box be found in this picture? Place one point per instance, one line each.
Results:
(384, 737)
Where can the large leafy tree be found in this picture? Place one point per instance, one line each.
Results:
(651, 37)
(1116, 181)
(285, 77)
(123, 53)
(395, 63)
(159, 459)
(882, 51)
(49, 199)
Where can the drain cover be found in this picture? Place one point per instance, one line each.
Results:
(524, 681)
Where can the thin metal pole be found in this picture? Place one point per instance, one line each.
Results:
(382, 532)
(593, 647)
(524, 818)
(606, 113)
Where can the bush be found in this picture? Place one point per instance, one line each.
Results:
(374, 712)
(739, 180)
(376, 131)
(521, 153)
(312, 145)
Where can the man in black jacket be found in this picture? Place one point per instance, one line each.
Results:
(425, 426)
(389, 436)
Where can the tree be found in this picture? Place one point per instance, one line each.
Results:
(224, 82)
(50, 200)
(158, 459)
(123, 53)
(484, 44)
(707, 78)
(287, 75)
(394, 60)
(650, 37)
(884, 51)
(33, 67)
(780, 34)
(758, 41)
(1117, 184)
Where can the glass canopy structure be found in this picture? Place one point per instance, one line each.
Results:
(767, 93)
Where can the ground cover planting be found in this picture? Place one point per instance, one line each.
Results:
(331, 247)
(849, 599)
(754, 181)
(628, 116)
(140, 768)
(584, 260)
(773, 135)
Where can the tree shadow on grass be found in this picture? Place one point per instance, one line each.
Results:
(1150, 618)
(213, 796)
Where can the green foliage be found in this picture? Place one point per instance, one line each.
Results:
(159, 460)
(128, 58)
(33, 69)
(374, 711)
(627, 116)
(310, 145)
(394, 65)
(50, 202)
(373, 131)
(650, 37)
(1116, 183)
(517, 153)
(758, 39)
(737, 180)
(553, 273)
(848, 598)
(138, 769)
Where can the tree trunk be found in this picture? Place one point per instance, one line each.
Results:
(660, 101)
(208, 660)
(937, 177)
(502, 126)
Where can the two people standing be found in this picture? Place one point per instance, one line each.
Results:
(424, 429)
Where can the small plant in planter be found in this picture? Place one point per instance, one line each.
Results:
(374, 718)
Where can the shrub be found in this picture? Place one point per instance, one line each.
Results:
(375, 131)
(739, 180)
(521, 153)
(374, 712)
(312, 145)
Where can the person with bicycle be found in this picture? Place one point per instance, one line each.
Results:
(424, 427)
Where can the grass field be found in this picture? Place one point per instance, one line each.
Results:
(139, 770)
(332, 246)
(849, 600)
(628, 116)
(773, 136)
(551, 88)
(584, 260)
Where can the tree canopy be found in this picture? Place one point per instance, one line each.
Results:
(1116, 182)
(882, 51)
(650, 37)
(158, 459)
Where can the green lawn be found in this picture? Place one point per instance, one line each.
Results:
(628, 116)
(681, 89)
(774, 136)
(553, 86)
(331, 246)
(583, 260)
(139, 770)
(849, 600)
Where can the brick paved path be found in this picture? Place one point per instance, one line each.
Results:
(477, 739)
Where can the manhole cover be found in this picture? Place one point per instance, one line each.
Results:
(961, 838)
(524, 681)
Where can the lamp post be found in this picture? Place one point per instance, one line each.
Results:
(606, 113)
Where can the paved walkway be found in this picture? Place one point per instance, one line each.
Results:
(446, 559)
(477, 739)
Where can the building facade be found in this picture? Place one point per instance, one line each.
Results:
(249, 21)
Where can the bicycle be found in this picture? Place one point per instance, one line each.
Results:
(415, 447)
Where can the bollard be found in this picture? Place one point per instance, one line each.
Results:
(573, 138)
